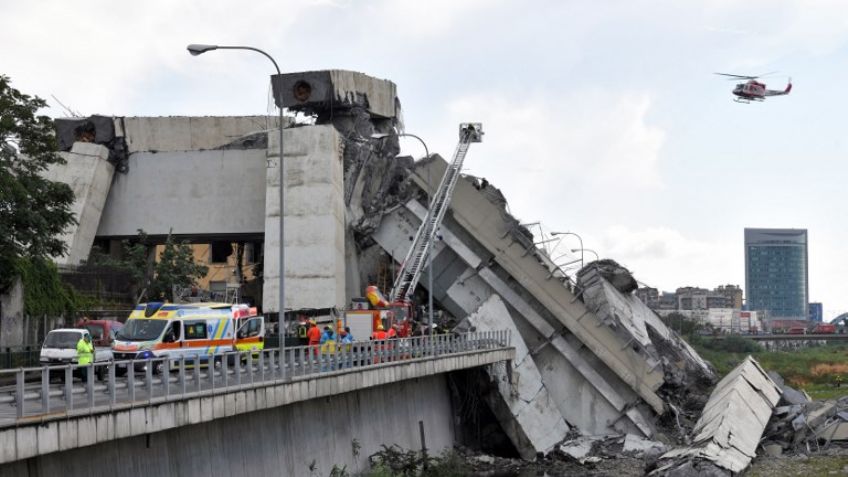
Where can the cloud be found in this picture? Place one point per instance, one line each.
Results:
(665, 258)
(104, 57)
(774, 28)
(547, 152)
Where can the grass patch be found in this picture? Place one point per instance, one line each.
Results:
(813, 466)
(817, 369)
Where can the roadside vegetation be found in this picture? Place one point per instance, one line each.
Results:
(821, 371)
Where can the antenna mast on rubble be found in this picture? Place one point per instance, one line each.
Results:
(422, 244)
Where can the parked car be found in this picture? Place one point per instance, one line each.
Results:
(102, 331)
(60, 347)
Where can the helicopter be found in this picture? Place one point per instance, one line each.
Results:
(753, 90)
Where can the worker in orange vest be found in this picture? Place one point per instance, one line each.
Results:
(313, 334)
(378, 335)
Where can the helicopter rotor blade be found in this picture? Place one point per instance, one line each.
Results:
(735, 77)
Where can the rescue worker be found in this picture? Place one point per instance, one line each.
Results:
(85, 353)
(345, 345)
(405, 329)
(302, 328)
(378, 335)
(313, 334)
(328, 335)
(328, 348)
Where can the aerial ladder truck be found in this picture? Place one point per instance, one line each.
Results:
(399, 305)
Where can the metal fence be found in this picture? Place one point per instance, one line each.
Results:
(104, 385)
(19, 356)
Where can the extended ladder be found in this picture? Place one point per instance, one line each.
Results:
(422, 244)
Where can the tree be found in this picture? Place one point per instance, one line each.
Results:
(176, 267)
(152, 279)
(34, 211)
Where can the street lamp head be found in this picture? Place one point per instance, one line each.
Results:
(380, 135)
(196, 49)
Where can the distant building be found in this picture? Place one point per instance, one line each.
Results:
(776, 273)
(692, 298)
(733, 293)
(649, 296)
(816, 312)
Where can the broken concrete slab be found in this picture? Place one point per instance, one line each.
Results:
(773, 450)
(729, 430)
(821, 413)
(588, 395)
(792, 396)
(579, 449)
(525, 410)
(640, 446)
(335, 91)
(834, 431)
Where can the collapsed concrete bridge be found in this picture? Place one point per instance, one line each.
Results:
(590, 357)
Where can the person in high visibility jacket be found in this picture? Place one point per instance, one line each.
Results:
(379, 334)
(314, 336)
(85, 354)
(328, 341)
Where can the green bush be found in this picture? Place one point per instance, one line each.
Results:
(44, 292)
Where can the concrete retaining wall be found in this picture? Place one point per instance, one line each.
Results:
(279, 441)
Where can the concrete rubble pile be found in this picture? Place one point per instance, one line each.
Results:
(605, 287)
(726, 437)
(597, 361)
(800, 426)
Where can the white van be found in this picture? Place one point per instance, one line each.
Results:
(60, 347)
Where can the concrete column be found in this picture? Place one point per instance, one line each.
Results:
(314, 219)
(12, 315)
(89, 174)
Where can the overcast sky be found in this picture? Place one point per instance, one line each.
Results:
(601, 117)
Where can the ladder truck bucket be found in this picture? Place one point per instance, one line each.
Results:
(471, 132)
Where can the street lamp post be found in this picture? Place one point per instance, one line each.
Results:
(196, 49)
(578, 238)
(597, 257)
(429, 255)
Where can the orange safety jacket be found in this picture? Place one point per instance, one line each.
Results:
(314, 335)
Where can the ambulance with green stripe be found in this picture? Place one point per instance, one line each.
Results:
(203, 331)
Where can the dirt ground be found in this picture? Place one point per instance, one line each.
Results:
(621, 466)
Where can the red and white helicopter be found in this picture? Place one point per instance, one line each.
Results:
(753, 90)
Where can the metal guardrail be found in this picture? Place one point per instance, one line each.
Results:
(34, 395)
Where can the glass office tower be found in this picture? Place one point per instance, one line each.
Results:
(776, 276)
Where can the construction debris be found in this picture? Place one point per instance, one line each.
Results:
(687, 377)
(807, 428)
(729, 430)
